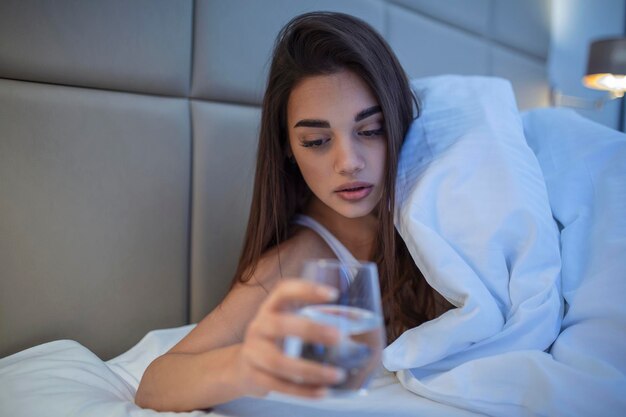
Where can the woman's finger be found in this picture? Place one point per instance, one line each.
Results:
(291, 292)
(277, 326)
(269, 359)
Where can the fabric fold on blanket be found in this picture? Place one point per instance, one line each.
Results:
(533, 364)
(473, 209)
(584, 165)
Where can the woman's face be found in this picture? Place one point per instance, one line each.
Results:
(336, 134)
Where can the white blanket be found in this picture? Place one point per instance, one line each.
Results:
(63, 378)
(476, 207)
(475, 211)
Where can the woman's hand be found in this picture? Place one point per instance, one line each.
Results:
(262, 365)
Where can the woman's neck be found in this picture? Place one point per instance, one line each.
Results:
(357, 234)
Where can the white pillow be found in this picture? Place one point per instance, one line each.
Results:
(473, 210)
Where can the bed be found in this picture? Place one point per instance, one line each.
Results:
(115, 131)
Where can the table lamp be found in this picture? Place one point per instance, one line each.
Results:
(606, 66)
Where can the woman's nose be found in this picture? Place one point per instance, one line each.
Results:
(348, 159)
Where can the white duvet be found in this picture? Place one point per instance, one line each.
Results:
(479, 192)
(540, 323)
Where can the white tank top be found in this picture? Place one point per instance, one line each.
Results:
(342, 253)
(383, 376)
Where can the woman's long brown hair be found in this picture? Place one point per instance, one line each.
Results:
(323, 43)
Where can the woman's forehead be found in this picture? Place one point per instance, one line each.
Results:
(325, 96)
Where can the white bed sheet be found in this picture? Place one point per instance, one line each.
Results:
(63, 378)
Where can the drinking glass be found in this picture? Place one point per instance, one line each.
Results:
(356, 313)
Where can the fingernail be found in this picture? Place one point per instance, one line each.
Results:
(330, 293)
(321, 392)
(333, 335)
(340, 374)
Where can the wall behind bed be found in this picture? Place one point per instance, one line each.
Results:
(128, 134)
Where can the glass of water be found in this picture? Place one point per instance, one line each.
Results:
(356, 313)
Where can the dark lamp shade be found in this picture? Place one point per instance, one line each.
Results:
(606, 66)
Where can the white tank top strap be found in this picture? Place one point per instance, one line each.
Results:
(342, 253)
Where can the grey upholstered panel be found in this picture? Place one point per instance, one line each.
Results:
(527, 75)
(139, 45)
(523, 24)
(94, 192)
(426, 47)
(233, 41)
(225, 144)
(472, 15)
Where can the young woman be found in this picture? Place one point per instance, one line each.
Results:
(335, 112)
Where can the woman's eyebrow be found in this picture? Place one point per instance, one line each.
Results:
(312, 123)
(364, 114)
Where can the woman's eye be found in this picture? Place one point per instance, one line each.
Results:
(314, 143)
(369, 133)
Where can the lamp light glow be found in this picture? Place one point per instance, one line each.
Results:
(606, 66)
(616, 84)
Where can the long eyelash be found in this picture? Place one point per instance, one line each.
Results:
(369, 133)
(316, 143)
(312, 143)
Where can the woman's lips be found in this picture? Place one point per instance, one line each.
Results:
(354, 192)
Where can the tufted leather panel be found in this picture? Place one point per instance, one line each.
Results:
(454, 51)
(86, 177)
(471, 15)
(527, 76)
(242, 32)
(225, 139)
(141, 45)
(523, 24)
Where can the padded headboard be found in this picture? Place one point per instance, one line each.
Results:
(128, 135)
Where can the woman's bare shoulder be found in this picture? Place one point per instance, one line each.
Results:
(226, 324)
(285, 260)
